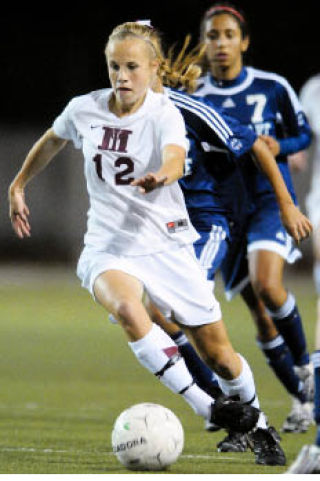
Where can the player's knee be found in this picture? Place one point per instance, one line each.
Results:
(266, 288)
(126, 310)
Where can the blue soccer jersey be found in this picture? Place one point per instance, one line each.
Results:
(213, 186)
(266, 103)
(213, 183)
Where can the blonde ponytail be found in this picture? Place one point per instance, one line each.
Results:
(183, 70)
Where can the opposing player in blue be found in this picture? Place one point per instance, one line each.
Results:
(218, 219)
(218, 206)
(267, 104)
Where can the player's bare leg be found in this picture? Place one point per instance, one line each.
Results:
(121, 295)
(215, 348)
(266, 330)
(286, 352)
(273, 345)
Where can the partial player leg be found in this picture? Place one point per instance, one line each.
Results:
(266, 274)
(287, 352)
(280, 360)
(236, 381)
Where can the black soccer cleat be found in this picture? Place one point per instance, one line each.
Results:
(233, 443)
(233, 415)
(266, 447)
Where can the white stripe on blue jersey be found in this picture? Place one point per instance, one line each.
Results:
(208, 88)
(203, 111)
(278, 78)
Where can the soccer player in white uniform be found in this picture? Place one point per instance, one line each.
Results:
(139, 235)
(308, 460)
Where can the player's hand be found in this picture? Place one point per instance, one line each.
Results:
(296, 223)
(272, 143)
(149, 182)
(19, 213)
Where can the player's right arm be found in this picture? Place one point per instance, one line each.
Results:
(42, 152)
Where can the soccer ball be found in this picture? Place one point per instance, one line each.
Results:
(147, 437)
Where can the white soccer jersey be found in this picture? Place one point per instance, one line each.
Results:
(117, 150)
(310, 99)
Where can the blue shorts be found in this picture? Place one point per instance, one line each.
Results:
(213, 245)
(234, 268)
(264, 232)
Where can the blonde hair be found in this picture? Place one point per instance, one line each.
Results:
(181, 71)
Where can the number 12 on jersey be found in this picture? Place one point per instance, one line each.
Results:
(122, 177)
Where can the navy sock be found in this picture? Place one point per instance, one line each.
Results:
(201, 373)
(316, 366)
(288, 321)
(280, 360)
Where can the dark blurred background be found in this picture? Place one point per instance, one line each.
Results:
(52, 52)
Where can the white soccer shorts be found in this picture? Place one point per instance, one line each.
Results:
(174, 281)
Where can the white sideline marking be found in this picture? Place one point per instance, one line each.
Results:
(106, 453)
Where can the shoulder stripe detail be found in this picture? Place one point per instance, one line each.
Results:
(206, 113)
(209, 88)
(282, 81)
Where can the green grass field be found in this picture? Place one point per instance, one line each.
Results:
(66, 373)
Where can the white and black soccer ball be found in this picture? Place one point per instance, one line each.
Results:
(147, 437)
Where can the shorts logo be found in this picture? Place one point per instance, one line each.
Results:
(236, 144)
(177, 226)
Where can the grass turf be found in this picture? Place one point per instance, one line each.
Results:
(66, 373)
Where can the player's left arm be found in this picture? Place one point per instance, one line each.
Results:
(297, 133)
(173, 157)
(296, 224)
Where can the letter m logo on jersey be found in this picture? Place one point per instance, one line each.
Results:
(115, 140)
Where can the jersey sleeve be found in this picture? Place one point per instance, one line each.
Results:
(241, 137)
(296, 129)
(64, 126)
(210, 126)
(171, 128)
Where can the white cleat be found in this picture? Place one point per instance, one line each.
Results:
(299, 418)
(307, 461)
(306, 374)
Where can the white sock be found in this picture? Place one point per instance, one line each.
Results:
(157, 352)
(199, 400)
(243, 387)
(286, 308)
